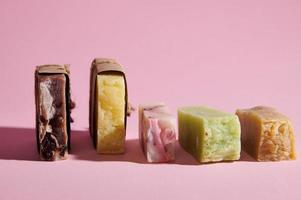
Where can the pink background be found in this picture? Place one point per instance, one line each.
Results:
(224, 54)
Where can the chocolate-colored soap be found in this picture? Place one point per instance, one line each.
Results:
(52, 98)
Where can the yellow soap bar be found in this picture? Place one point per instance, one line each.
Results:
(267, 135)
(110, 113)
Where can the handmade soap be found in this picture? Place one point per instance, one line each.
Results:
(267, 135)
(157, 133)
(108, 106)
(209, 135)
(52, 97)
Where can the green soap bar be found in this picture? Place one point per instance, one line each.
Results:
(209, 135)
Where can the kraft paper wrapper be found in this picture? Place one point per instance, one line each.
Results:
(53, 69)
(103, 66)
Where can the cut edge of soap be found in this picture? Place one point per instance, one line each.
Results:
(264, 118)
(99, 149)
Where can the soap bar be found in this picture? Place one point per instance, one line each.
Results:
(108, 106)
(52, 98)
(267, 135)
(209, 135)
(157, 133)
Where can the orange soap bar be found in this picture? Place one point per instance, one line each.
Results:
(267, 135)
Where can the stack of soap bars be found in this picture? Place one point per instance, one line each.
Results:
(52, 97)
(207, 134)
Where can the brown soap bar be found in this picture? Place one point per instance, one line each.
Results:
(52, 97)
(267, 135)
(108, 106)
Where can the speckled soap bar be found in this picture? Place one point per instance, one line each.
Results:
(157, 133)
(209, 135)
(52, 97)
(108, 106)
(267, 134)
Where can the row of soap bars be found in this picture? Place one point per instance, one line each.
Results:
(207, 134)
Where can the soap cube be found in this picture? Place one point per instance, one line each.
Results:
(209, 135)
(108, 106)
(157, 133)
(52, 111)
(267, 135)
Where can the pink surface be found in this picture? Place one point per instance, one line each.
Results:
(224, 54)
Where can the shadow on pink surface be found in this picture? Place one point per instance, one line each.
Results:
(82, 149)
(20, 144)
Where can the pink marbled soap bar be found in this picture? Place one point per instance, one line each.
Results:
(157, 133)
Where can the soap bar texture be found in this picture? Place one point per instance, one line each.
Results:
(108, 106)
(52, 115)
(110, 113)
(209, 135)
(267, 135)
(157, 133)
